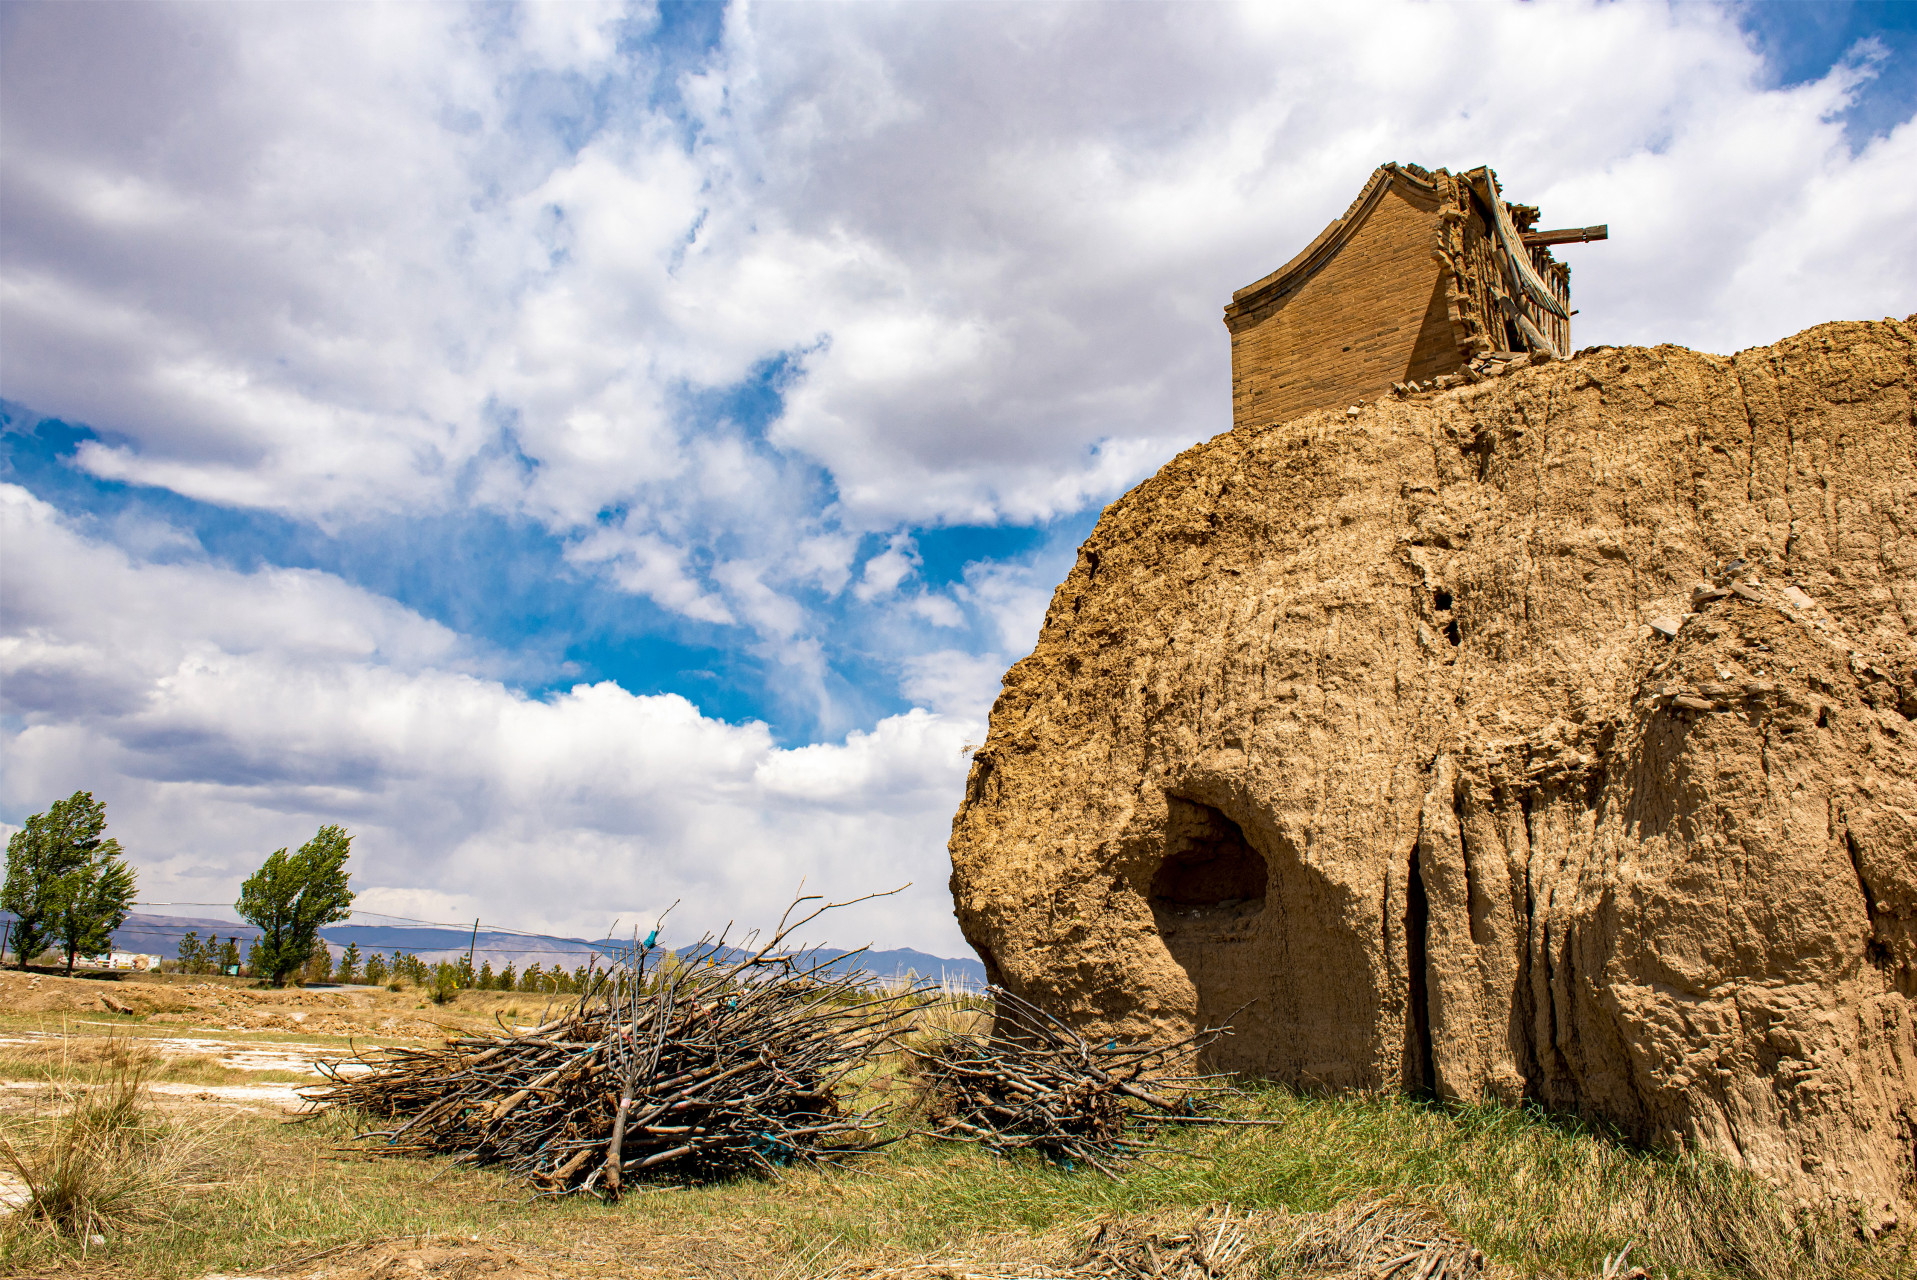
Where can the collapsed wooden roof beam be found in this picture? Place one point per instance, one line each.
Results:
(1566, 235)
(1528, 281)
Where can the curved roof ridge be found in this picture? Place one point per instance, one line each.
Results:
(1333, 237)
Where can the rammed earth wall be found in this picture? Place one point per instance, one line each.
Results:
(1410, 738)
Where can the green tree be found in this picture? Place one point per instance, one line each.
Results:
(319, 965)
(376, 969)
(349, 963)
(190, 949)
(64, 877)
(230, 956)
(485, 982)
(95, 899)
(291, 897)
(508, 980)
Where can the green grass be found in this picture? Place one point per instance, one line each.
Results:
(1531, 1192)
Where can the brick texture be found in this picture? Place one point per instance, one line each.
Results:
(1407, 286)
(1371, 316)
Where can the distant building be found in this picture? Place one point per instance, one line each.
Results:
(136, 960)
(1425, 273)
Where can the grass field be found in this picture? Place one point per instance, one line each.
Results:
(1538, 1195)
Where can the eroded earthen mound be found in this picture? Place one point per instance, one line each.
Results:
(1367, 729)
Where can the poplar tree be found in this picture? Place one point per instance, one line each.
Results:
(96, 900)
(66, 880)
(291, 898)
(319, 965)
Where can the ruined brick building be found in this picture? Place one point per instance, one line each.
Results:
(1425, 273)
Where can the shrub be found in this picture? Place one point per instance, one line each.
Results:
(104, 1163)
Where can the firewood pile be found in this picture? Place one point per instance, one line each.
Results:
(720, 1060)
(1035, 1084)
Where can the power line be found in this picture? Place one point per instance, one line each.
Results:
(460, 925)
(568, 946)
(581, 950)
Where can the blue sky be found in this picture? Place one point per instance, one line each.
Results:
(608, 454)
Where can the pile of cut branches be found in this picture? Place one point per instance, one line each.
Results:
(722, 1059)
(1035, 1084)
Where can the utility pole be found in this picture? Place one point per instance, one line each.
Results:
(471, 945)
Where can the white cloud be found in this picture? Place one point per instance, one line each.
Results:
(649, 566)
(1013, 597)
(222, 715)
(885, 571)
(938, 609)
(317, 261)
(333, 261)
(954, 682)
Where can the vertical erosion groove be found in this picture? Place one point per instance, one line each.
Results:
(1417, 1022)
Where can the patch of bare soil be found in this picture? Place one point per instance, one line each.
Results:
(411, 1260)
(227, 1006)
(1219, 1242)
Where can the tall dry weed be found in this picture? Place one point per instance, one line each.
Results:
(99, 1161)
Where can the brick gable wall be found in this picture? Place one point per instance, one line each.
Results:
(1373, 315)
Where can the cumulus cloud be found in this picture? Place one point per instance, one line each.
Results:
(885, 571)
(223, 714)
(739, 326)
(323, 260)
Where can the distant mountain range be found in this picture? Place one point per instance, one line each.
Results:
(160, 935)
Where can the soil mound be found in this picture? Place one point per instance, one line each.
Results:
(1545, 737)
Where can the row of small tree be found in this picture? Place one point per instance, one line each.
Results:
(208, 955)
(68, 882)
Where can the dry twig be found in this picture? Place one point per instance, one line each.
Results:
(1036, 1084)
(722, 1059)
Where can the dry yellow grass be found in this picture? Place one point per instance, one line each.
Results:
(98, 1162)
(1535, 1194)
